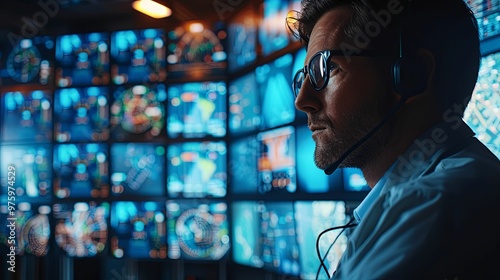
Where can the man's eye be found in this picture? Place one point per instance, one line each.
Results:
(333, 66)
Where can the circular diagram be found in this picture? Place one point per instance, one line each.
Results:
(138, 110)
(196, 234)
(23, 62)
(83, 231)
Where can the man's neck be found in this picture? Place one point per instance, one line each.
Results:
(403, 136)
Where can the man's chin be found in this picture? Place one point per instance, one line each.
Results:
(323, 164)
(324, 157)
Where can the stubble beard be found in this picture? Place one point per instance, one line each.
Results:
(330, 147)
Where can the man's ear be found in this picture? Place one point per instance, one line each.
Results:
(429, 62)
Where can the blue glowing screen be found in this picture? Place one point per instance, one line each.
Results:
(27, 116)
(81, 170)
(137, 169)
(83, 60)
(274, 82)
(197, 230)
(265, 237)
(197, 109)
(81, 114)
(138, 56)
(138, 230)
(197, 169)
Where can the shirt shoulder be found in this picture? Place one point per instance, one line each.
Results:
(458, 164)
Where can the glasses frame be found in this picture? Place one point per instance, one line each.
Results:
(326, 55)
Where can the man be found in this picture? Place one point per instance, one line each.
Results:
(384, 87)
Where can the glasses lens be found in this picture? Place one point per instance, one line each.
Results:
(298, 80)
(318, 71)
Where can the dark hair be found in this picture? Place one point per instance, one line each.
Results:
(447, 28)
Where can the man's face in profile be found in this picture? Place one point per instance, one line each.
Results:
(355, 99)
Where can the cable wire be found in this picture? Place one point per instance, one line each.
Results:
(322, 259)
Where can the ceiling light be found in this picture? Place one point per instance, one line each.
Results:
(196, 27)
(152, 8)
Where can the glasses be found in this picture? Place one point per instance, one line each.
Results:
(320, 67)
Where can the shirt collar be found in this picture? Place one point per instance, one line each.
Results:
(363, 207)
(449, 134)
(421, 156)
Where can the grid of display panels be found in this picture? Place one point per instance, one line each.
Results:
(111, 154)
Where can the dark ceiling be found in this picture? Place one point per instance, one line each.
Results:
(61, 16)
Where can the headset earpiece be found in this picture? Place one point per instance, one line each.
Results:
(409, 72)
(409, 76)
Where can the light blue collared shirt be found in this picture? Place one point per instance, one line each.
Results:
(434, 215)
(374, 193)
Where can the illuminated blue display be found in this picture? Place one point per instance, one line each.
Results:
(83, 60)
(354, 180)
(242, 36)
(311, 218)
(27, 116)
(482, 113)
(139, 56)
(138, 230)
(276, 161)
(33, 171)
(197, 109)
(81, 170)
(274, 82)
(310, 178)
(137, 169)
(81, 228)
(197, 230)
(32, 227)
(273, 34)
(197, 169)
(81, 114)
(488, 17)
(138, 112)
(244, 176)
(197, 50)
(27, 61)
(265, 237)
(244, 104)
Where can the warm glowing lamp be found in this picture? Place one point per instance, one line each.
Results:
(152, 8)
(196, 27)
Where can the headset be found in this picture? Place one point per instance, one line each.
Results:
(409, 73)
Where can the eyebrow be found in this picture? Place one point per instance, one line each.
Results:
(364, 52)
